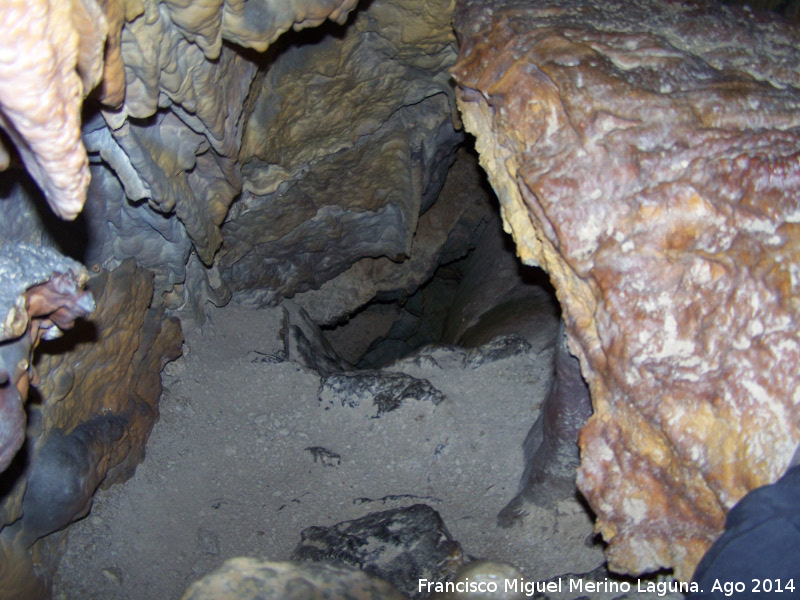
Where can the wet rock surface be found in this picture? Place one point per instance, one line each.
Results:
(401, 546)
(649, 165)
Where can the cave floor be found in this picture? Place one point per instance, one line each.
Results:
(228, 473)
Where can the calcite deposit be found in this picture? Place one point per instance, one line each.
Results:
(646, 155)
(96, 402)
(42, 295)
(174, 79)
(50, 58)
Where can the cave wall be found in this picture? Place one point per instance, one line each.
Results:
(650, 166)
(125, 140)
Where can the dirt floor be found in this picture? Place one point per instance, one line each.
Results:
(228, 471)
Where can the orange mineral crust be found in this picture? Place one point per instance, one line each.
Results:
(651, 165)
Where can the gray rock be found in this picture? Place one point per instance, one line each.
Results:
(384, 390)
(401, 545)
(503, 346)
(304, 343)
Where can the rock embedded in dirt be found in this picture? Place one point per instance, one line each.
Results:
(401, 545)
(377, 392)
(253, 579)
(650, 167)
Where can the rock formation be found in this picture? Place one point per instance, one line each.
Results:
(650, 166)
(42, 296)
(179, 107)
(45, 77)
(249, 579)
(348, 138)
(401, 546)
(97, 393)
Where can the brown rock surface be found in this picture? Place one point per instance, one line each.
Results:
(42, 295)
(650, 164)
(347, 140)
(97, 402)
(117, 369)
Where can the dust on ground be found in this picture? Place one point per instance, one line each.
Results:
(229, 472)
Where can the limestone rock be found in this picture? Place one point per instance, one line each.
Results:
(174, 140)
(51, 58)
(98, 395)
(445, 232)
(64, 473)
(42, 295)
(115, 369)
(304, 343)
(402, 546)
(650, 166)
(551, 446)
(181, 160)
(253, 579)
(347, 142)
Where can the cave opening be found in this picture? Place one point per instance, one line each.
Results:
(287, 279)
(466, 302)
(441, 388)
(442, 343)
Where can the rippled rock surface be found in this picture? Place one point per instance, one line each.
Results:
(348, 139)
(651, 167)
(96, 402)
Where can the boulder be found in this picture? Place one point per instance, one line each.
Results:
(651, 167)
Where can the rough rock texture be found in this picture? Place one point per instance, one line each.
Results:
(375, 392)
(252, 579)
(117, 368)
(402, 546)
(445, 232)
(97, 402)
(348, 140)
(50, 57)
(304, 343)
(551, 446)
(651, 167)
(174, 140)
(42, 295)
